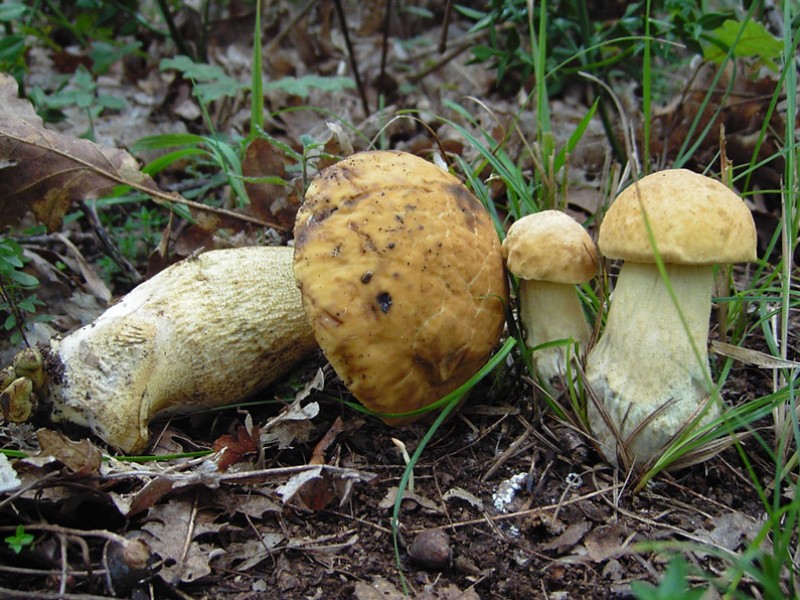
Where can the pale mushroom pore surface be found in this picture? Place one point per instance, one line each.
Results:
(401, 276)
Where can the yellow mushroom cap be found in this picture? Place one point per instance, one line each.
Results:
(695, 220)
(550, 246)
(401, 276)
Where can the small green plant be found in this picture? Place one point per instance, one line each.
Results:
(12, 44)
(18, 303)
(19, 540)
(80, 91)
(673, 585)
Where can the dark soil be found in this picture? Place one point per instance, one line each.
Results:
(572, 529)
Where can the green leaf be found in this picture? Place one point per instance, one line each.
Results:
(11, 47)
(673, 585)
(24, 279)
(167, 140)
(191, 69)
(212, 83)
(12, 10)
(162, 162)
(755, 41)
(19, 540)
(300, 86)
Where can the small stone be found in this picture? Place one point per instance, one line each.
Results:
(431, 549)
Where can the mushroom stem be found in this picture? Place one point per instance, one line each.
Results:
(645, 370)
(207, 331)
(542, 326)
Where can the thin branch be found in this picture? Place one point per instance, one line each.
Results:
(351, 53)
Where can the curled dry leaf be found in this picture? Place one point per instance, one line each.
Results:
(45, 171)
(81, 458)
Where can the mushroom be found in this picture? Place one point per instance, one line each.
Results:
(401, 277)
(649, 372)
(204, 332)
(550, 252)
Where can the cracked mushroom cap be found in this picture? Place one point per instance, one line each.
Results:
(550, 246)
(695, 220)
(401, 276)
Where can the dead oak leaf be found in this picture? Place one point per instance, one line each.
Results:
(44, 171)
(174, 527)
(236, 449)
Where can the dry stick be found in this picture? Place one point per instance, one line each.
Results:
(288, 28)
(385, 49)
(187, 542)
(353, 62)
(28, 595)
(58, 530)
(419, 76)
(53, 573)
(111, 248)
(541, 510)
(448, 9)
(158, 196)
(506, 455)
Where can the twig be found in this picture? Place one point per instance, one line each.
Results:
(111, 248)
(385, 46)
(290, 27)
(353, 62)
(187, 542)
(538, 511)
(59, 530)
(29, 595)
(157, 195)
(174, 32)
(507, 454)
(448, 10)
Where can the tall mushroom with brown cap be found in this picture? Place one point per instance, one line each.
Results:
(401, 276)
(550, 252)
(649, 373)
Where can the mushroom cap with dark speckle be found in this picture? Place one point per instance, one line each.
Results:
(401, 276)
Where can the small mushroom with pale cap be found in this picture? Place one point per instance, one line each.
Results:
(648, 372)
(550, 253)
(402, 279)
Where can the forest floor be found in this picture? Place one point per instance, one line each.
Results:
(507, 503)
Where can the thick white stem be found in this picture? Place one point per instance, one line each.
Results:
(648, 363)
(205, 332)
(550, 312)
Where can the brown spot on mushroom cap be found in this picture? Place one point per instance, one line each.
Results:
(695, 220)
(550, 246)
(432, 307)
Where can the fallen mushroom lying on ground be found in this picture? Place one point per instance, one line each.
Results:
(402, 279)
(204, 332)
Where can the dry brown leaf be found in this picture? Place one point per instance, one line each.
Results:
(237, 449)
(605, 542)
(172, 525)
(269, 200)
(45, 171)
(571, 536)
(82, 458)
